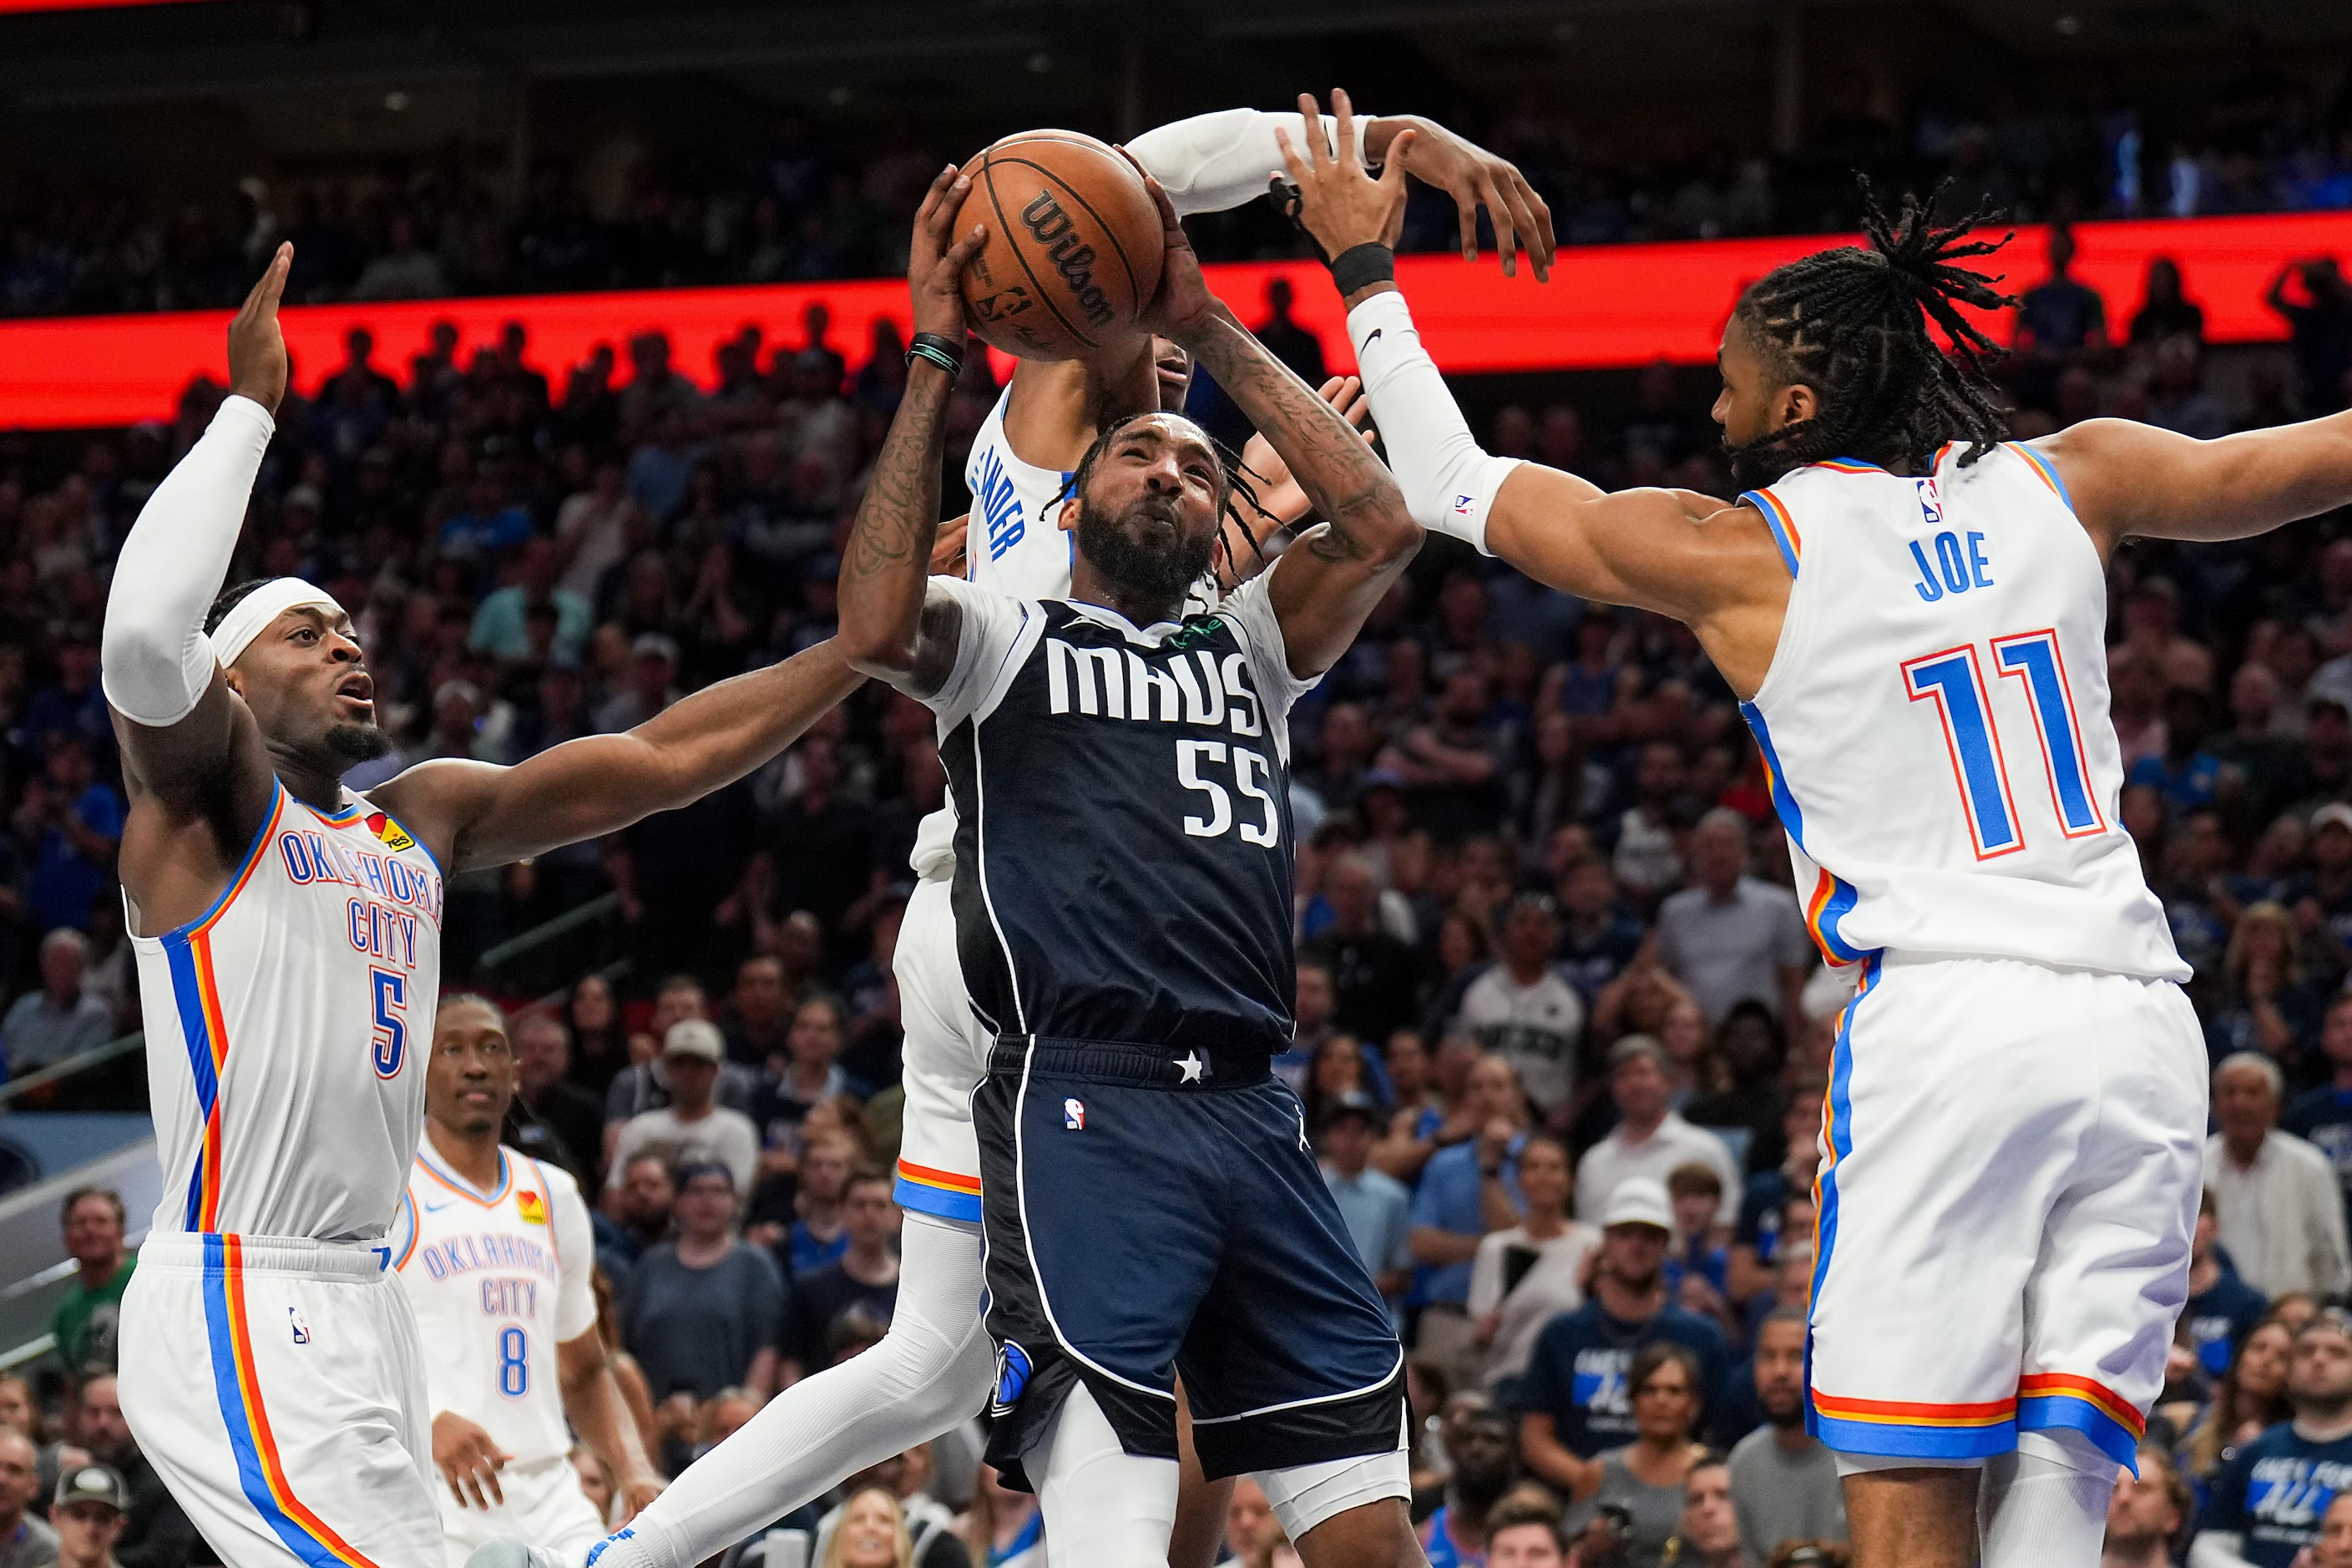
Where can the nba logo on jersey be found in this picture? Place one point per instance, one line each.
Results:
(1462, 505)
(1074, 1114)
(531, 1208)
(1931, 505)
(301, 1326)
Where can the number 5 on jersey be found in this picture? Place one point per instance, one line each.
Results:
(1954, 680)
(390, 990)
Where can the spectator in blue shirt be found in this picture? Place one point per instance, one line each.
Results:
(1466, 1190)
(2222, 1308)
(2324, 1115)
(1575, 1398)
(1376, 1207)
(72, 704)
(2184, 771)
(501, 626)
(488, 527)
(2266, 1501)
(77, 824)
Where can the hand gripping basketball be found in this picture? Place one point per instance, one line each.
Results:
(936, 258)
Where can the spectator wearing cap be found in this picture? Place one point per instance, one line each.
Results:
(1577, 1399)
(1467, 1189)
(1651, 1138)
(1526, 1276)
(1784, 1482)
(703, 1310)
(2280, 1211)
(1731, 937)
(2149, 1509)
(90, 1517)
(2321, 897)
(652, 685)
(61, 1019)
(89, 1313)
(644, 1086)
(2265, 1503)
(693, 1128)
(864, 1276)
(24, 1541)
(1377, 1209)
(155, 1532)
(1524, 1009)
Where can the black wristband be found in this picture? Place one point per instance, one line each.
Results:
(1362, 266)
(943, 351)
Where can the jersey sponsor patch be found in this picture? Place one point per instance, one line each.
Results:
(394, 837)
(531, 1207)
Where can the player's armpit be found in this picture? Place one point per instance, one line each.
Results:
(2124, 478)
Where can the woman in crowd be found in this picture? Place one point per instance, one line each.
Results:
(872, 1534)
(1645, 1476)
(600, 1044)
(1002, 1529)
(2268, 1002)
(2252, 1396)
(1683, 1034)
(1463, 950)
(1337, 1069)
(818, 1235)
(1529, 1273)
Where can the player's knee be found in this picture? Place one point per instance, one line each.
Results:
(948, 1377)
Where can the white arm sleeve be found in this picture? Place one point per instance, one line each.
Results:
(154, 660)
(1214, 163)
(1448, 480)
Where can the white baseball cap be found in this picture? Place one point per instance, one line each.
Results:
(694, 1038)
(1638, 1200)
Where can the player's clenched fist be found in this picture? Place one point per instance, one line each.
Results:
(468, 1460)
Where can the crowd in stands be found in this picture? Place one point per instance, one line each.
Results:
(1562, 1034)
(828, 202)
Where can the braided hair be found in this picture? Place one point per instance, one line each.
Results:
(1852, 323)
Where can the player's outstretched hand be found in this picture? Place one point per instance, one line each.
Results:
(468, 1460)
(1477, 178)
(257, 348)
(936, 258)
(1279, 496)
(1184, 299)
(1340, 202)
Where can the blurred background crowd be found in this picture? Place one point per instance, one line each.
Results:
(1562, 1034)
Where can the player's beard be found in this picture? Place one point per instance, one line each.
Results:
(1758, 463)
(351, 744)
(1155, 575)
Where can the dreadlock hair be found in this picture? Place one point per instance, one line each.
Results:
(229, 600)
(1235, 480)
(1852, 323)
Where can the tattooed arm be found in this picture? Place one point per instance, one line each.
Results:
(1329, 580)
(890, 626)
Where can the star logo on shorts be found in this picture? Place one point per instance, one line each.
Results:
(1192, 1067)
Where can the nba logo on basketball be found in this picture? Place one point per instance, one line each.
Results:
(1074, 1114)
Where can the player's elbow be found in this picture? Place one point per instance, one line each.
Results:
(874, 649)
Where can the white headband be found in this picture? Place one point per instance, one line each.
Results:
(254, 612)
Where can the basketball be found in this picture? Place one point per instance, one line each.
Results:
(1073, 251)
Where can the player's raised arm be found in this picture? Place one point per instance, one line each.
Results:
(2124, 478)
(1674, 552)
(885, 628)
(187, 743)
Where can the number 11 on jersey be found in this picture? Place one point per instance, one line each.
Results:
(1954, 680)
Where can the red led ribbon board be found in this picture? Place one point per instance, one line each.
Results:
(1606, 307)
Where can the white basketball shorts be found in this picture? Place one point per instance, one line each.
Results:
(276, 1385)
(2012, 1156)
(544, 1508)
(943, 1057)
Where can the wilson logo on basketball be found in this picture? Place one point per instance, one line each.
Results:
(1050, 226)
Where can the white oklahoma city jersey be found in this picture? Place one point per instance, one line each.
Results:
(1936, 722)
(282, 1029)
(498, 1280)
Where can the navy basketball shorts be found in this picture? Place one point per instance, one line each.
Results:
(1146, 1219)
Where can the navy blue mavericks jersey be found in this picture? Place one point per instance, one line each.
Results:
(1123, 841)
